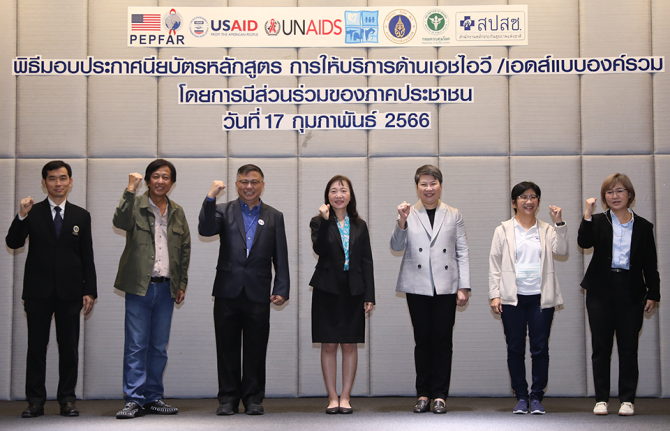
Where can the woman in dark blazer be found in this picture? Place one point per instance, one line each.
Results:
(344, 289)
(621, 283)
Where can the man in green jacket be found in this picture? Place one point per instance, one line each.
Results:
(153, 274)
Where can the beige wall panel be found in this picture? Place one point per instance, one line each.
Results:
(482, 127)
(559, 178)
(65, 23)
(105, 327)
(662, 202)
(661, 81)
(544, 115)
(281, 192)
(29, 183)
(197, 126)
(473, 370)
(553, 28)
(640, 170)
(377, 3)
(7, 276)
(617, 114)
(613, 27)
(193, 3)
(470, 2)
(314, 175)
(51, 116)
(122, 116)
(263, 143)
(329, 3)
(8, 83)
(391, 181)
(108, 30)
(320, 143)
(186, 130)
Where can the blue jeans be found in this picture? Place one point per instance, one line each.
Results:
(527, 314)
(148, 320)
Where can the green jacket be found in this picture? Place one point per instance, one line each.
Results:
(135, 216)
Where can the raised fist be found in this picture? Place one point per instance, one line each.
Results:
(324, 210)
(26, 206)
(134, 181)
(217, 186)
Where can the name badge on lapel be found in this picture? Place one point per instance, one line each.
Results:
(75, 230)
(261, 222)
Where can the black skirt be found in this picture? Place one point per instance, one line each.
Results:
(338, 318)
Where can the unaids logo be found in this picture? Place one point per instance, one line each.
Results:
(399, 26)
(272, 27)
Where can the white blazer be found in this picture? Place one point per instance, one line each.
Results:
(502, 273)
(436, 258)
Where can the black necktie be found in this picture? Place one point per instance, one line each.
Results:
(58, 221)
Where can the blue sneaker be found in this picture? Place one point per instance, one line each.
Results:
(536, 407)
(521, 407)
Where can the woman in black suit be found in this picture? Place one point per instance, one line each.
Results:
(621, 283)
(344, 289)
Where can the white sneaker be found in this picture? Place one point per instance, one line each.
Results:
(627, 409)
(600, 408)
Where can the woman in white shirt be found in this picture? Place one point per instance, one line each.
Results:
(524, 290)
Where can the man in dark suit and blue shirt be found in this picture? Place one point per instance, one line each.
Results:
(253, 239)
(59, 279)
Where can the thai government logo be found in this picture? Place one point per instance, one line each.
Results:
(399, 26)
(272, 27)
(435, 21)
(199, 26)
(361, 26)
(467, 23)
(173, 21)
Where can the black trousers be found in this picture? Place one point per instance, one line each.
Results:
(39, 313)
(433, 319)
(241, 376)
(615, 312)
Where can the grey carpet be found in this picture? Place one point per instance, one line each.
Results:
(371, 414)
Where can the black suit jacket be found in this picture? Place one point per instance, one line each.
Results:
(235, 271)
(643, 267)
(327, 243)
(63, 264)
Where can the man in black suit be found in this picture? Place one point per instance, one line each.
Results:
(253, 239)
(59, 280)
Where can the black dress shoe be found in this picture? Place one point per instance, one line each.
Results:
(226, 409)
(254, 409)
(421, 406)
(33, 411)
(346, 410)
(332, 410)
(68, 409)
(439, 407)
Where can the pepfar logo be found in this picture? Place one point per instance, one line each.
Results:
(172, 21)
(199, 26)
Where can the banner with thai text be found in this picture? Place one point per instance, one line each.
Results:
(499, 25)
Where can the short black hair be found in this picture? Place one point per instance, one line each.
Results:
(245, 169)
(156, 165)
(53, 165)
(518, 190)
(431, 170)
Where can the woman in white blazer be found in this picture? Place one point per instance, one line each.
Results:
(435, 275)
(524, 290)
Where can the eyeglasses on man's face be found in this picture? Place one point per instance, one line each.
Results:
(253, 183)
(529, 197)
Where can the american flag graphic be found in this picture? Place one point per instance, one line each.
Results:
(146, 22)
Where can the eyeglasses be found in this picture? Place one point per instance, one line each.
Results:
(253, 183)
(615, 192)
(529, 197)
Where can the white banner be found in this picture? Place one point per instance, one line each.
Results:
(327, 26)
